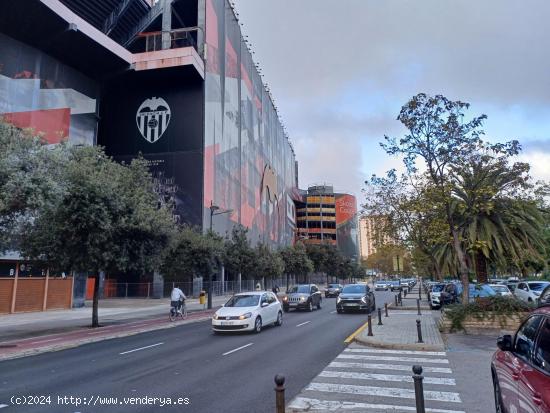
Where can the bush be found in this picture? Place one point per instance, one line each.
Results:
(486, 308)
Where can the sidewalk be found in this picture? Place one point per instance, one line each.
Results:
(32, 333)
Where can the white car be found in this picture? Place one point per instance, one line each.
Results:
(529, 291)
(248, 312)
(501, 290)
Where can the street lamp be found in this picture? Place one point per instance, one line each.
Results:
(214, 210)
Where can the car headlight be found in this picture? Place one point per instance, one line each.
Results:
(302, 298)
(285, 298)
(215, 316)
(338, 299)
(364, 300)
(245, 316)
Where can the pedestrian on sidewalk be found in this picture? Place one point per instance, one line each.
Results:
(275, 289)
(258, 287)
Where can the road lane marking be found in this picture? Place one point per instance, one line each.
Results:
(237, 349)
(352, 336)
(3, 405)
(332, 312)
(384, 377)
(375, 366)
(409, 352)
(303, 324)
(388, 358)
(441, 396)
(141, 348)
(307, 404)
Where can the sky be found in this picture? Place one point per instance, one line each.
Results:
(340, 71)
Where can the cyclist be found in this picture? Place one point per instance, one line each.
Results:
(177, 297)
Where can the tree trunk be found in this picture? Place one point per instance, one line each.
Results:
(95, 318)
(481, 268)
(462, 267)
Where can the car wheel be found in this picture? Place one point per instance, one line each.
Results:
(309, 306)
(319, 305)
(279, 321)
(339, 311)
(258, 325)
(498, 396)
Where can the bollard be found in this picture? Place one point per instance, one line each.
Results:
(400, 299)
(396, 303)
(369, 321)
(404, 292)
(379, 316)
(420, 293)
(280, 393)
(418, 306)
(419, 331)
(386, 308)
(418, 389)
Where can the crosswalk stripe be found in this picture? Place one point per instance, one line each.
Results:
(308, 404)
(375, 366)
(388, 358)
(408, 352)
(384, 377)
(383, 391)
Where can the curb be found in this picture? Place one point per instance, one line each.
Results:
(399, 346)
(78, 343)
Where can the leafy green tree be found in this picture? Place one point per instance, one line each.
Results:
(269, 264)
(439, 135)
(31, 175)
(239, 257)
(296, 261)
(106, 219)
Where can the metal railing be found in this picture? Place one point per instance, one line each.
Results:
(177, 38)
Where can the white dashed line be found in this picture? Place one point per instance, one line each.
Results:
(408, 352)
(141, 348)
(332, 312)
(396, 359)
(237, 349)
(384, 377)
(3, 405)
(302, 324)
(376, 366)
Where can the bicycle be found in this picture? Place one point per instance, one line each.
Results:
(174, 312)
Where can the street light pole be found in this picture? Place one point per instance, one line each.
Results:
(213, 209)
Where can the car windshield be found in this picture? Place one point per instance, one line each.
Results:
(438, 288)
(301, 289)
(500, 288)
(354, 289)
(538, 286)
(481, 290)
(243, 301)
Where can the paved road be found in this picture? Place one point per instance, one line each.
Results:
(187, 362)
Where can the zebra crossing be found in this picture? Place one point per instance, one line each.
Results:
(364, 379)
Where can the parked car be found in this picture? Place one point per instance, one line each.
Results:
(434, 295)
(521, 366)
(544, 298)
(248, 312)
(529, 291)
(512, 285)
(381, 286)
(302, 297)
(333, 290)
(395, 285)
(452, 292)
(356, 297)
(501, 290)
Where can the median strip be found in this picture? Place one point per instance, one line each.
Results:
(237, 349)
(141, 348)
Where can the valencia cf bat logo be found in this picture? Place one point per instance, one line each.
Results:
(153, 117)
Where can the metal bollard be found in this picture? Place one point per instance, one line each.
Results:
(379, 316)
(396, 302)
(418, 389)
(404, 292)
(419, 331)
(386, 308)
(280, 393)
(420, 293)
(369, 321)
(418, 306)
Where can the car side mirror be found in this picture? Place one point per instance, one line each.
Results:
(265, 304)
(505, 342)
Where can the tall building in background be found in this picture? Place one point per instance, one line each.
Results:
(371, 234)
(172, 80)
(325, 216)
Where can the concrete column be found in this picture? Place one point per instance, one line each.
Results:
(158, 285)
(222, 278)
(166, 23)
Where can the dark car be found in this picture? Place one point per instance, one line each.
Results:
(356, 297)
(302, 297)
(521, 366)
(333, 290)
